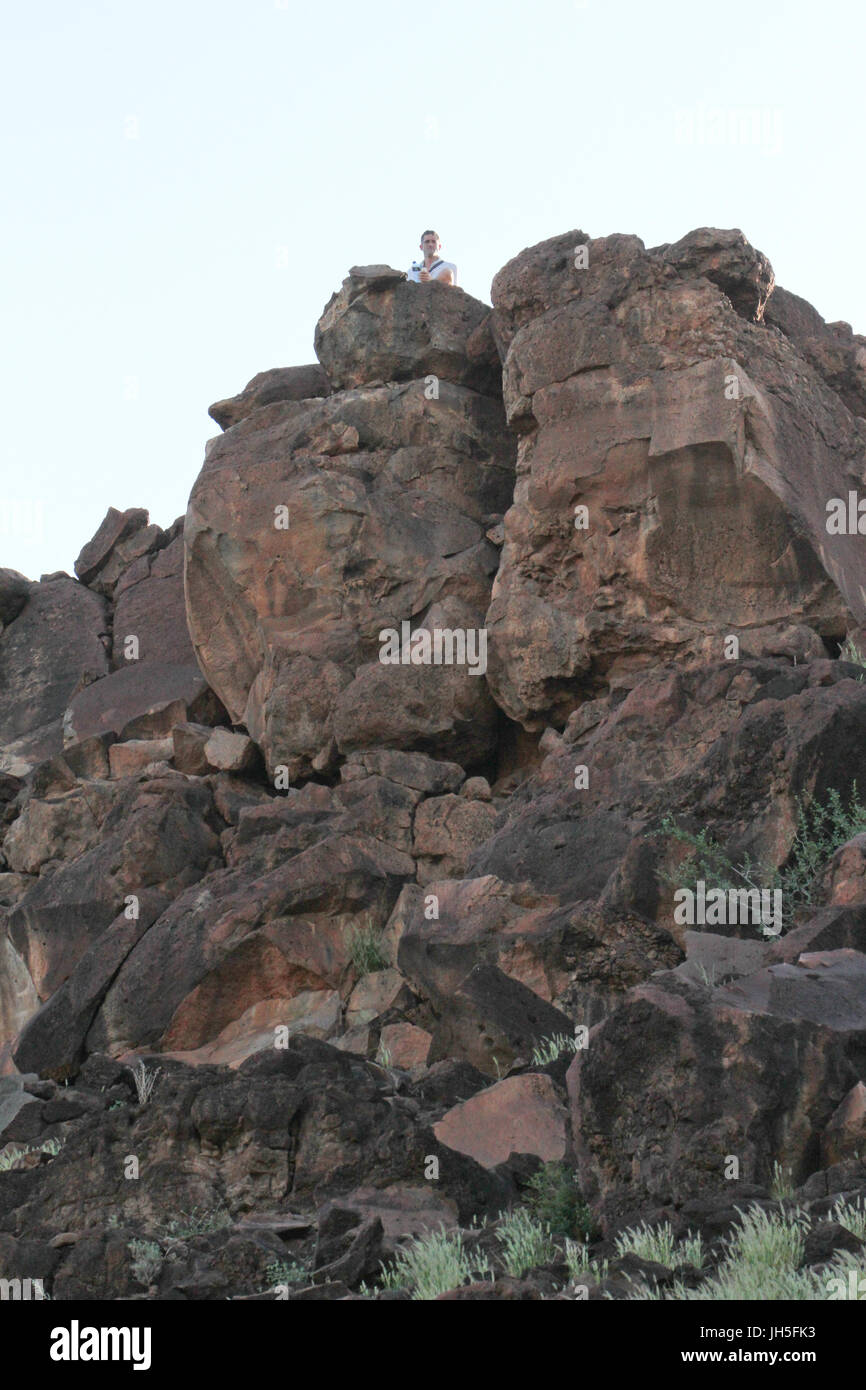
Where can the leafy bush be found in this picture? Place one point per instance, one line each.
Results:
(286, 1272)
(822, 828)
(556, 1201)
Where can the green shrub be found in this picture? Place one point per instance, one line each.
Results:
(284, 1272)
(822, 828)
(555, 1199)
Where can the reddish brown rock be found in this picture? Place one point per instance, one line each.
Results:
(844, 879)
(519, 1115)
(286, 618)
(138, 693)
(835, 352)
(374, 994)
(53, 647)
(447, 830)
(188, 744)
(15, 590)
(845, 1132)
(266, 388)
(404, 1045)
(156, 835)
(115, 527)
(380, 327)
(645, 397)
(152, 610)
(128, 759)
(755, 1069)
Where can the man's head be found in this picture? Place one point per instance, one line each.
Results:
(430, 243)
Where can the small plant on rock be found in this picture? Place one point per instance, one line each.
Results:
(365, 950)
(551, 1049)
(782, 1185)
(147, 1259)
(144, 1081)
(200, 1221)
(281, 1273)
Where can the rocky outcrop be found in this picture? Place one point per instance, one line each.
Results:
(317, 525)
(672, 480)
(355, 942)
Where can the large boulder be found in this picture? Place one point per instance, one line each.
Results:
(277, 384)
(751, 1072)
(316, 526)
(150, 606)
(55, 645)
(380, 327)
(677, 455)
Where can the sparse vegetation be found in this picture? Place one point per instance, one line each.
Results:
(365, 950)
(430, 1265)
(782, 1185)
(550, 1049)
(760, 1262)
(851, 1215)
(12, 1155)
(286, 1272)
(525, 1241)
(144, 1081)
(822, 828)
(199, 1221)
(580, 1265)
(850, 652)
(147, 1260)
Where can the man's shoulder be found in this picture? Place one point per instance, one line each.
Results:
(447, 265)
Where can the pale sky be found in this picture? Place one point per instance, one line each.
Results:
(186, 182)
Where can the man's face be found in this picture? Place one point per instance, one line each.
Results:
(430, 246)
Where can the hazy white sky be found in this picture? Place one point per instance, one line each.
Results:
(187, 181)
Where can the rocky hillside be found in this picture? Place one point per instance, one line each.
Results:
(345, 827)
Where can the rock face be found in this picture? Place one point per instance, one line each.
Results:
(672, 486)
(316, 525)
(379, 327)
(359, 926)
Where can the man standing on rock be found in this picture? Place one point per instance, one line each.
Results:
(432, 267)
